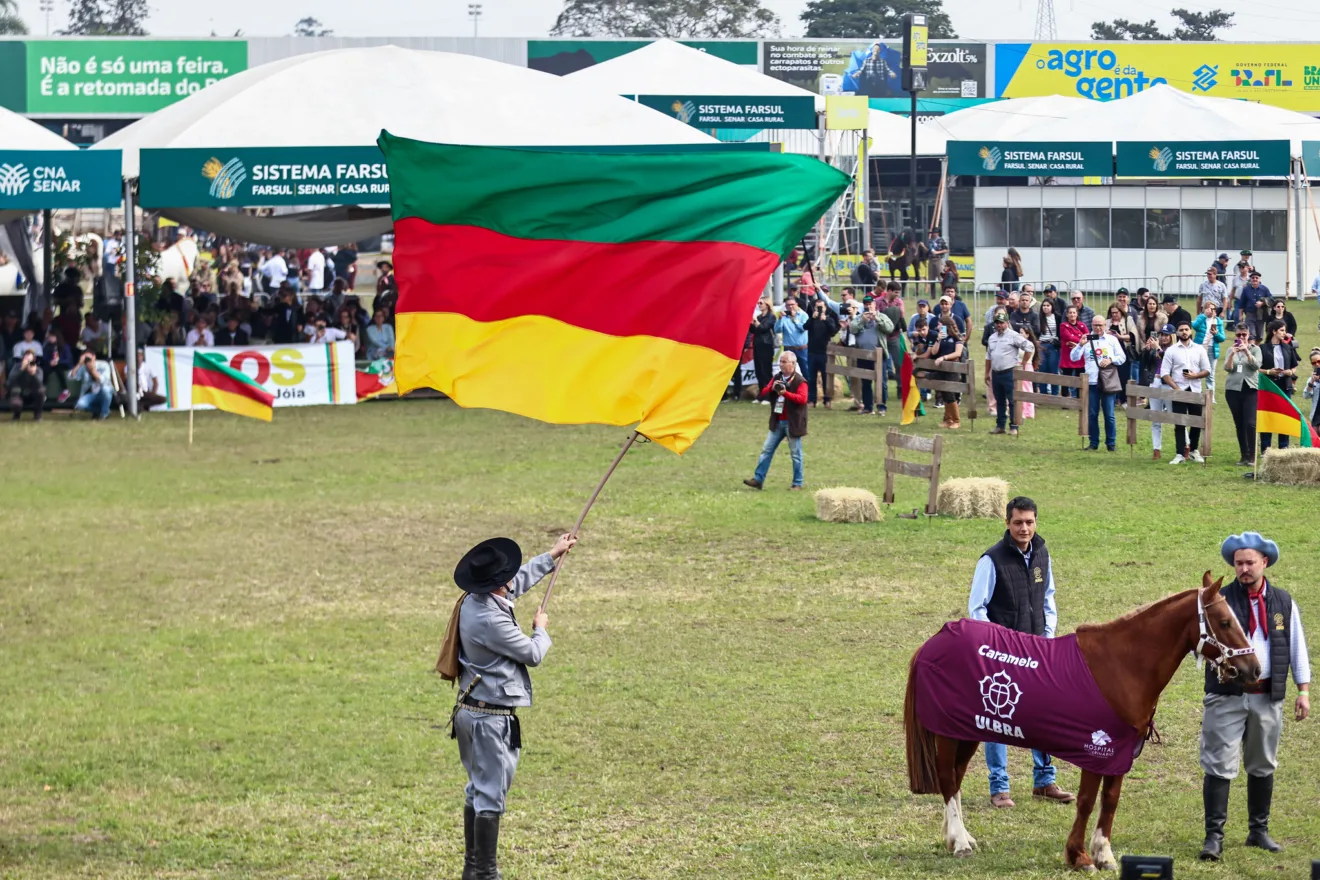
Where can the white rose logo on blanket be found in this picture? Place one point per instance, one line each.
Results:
(1100, 745)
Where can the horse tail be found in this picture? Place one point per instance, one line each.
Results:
(922, 775)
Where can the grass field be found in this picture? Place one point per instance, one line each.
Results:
(217, 660)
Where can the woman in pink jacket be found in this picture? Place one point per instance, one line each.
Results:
(1072, 333)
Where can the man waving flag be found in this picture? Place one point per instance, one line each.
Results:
(577, 285)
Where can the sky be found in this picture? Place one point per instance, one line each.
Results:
(973, 19)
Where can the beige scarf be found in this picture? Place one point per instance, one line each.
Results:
(447, 663)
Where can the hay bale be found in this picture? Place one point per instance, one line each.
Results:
(1294, 466)
(844, 505)
(984, 497)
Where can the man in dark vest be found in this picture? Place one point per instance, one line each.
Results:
(1014, 587)
(1252, 720)
(787, 391)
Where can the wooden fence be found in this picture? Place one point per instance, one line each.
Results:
(1204, 421)
(1080, 403)
(851, 370)
(895, 441)
(965, 384)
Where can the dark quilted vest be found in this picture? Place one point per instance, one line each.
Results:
(1018, 601)
(796, 412)
(1278, 613)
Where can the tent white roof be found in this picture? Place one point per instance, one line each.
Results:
(891, 135)
(1006, 120)
(19, 133)
(1165, 113)
(434, 96)
(669, 68)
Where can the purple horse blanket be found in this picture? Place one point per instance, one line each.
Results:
(981, 682)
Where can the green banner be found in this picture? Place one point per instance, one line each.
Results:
(261, 176)
(1311, 156)
(35, 180)
(104, 77)
(726, 111)
(1203, 158)
(566, 56)
(1031, 159)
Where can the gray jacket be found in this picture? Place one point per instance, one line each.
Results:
(490, 642)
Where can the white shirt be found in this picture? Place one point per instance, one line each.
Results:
(1298, 657)
(275, 270)
(1189, 356)
(90, 337)
(316, 271)
(205, 338)
(23, 346)
(111, 248)
(1105, 347)
(1315, 286)
(146, 379)
(331, 334)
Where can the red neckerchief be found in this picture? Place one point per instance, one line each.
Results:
(1254, 600)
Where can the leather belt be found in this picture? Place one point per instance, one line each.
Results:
(481, 707)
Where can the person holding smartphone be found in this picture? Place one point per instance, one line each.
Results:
(1279, 361)
(1185, 365)
(1242, 366)
(1312, 392)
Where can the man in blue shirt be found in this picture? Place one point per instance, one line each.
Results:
(792, 324)
(1014, 587)
(1252, 302)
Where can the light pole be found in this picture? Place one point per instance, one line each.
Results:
(47, 6)
(474, 10)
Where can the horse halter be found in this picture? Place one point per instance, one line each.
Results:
(1208, 640)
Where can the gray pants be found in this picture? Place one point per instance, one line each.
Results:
(1252, 721)
(483, 747)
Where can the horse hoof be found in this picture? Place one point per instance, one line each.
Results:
(962, 853)
(1086, 869)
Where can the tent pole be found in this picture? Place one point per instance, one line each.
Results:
(47, 257)
(1299, 228)
(130, 304)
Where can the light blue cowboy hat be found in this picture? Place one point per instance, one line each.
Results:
(1250, 541)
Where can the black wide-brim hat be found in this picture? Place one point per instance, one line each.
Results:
(488, 566)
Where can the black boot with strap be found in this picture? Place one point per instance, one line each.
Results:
(1260, 792)
(1214, 792)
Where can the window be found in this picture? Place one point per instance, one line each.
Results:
(1198, 230)
(1271, 231)
(1129, 227)
(1162, 229)
(1233, 231)
(992, 227)
(1059, 227)
(1093, 227)
(1024, 227)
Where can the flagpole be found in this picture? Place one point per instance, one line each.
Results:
(190, 423)
(559, 563)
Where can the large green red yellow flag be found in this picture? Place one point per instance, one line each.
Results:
(907, 385)
(589, 285)
(1277, 414)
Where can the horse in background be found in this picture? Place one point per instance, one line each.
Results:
(1131, 659)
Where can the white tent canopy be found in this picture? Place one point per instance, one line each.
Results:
(891, 135)
(1165, 113)
(433, 96)
(19, 133)
(1006, 120)
(669, 68)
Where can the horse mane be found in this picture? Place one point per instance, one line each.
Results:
(1137, 612)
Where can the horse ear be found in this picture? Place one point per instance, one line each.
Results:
(1205, 581)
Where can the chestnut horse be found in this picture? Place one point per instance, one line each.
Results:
(1132, 660)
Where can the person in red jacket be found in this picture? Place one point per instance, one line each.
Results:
(1072, 334)
(787, 391)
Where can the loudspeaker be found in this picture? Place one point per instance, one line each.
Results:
(1145, 868)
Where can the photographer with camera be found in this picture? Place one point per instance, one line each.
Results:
(1242, 363)
(821, 327)
(1101, 354)
(872, 329)
(1151, 375)
(27, 387)
(97, 385)
(1312, 391)
(787, 393)
(792, 327)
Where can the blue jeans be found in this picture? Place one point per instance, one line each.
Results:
(816, 367)
(95, 402)
(1002, 385)
(1098, 397)
(996, 760)
(1049, 363)
(772, 441)
(801, 359)
(887, 370)
(868, 386)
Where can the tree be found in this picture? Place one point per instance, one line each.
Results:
(1201, 26)
(119, 18)
(10, 23)
(311, 27)
(675, 19)
(868, 19)
(1194, 26)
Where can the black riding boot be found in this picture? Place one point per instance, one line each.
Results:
(486, 840)
(1260, 791)
(1214, 792)
(469, 843)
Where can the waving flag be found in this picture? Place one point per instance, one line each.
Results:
(1277, 414)
(214, 382)
(907, 385)
(582, 285)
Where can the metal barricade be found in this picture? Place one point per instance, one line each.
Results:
(1113, 283)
